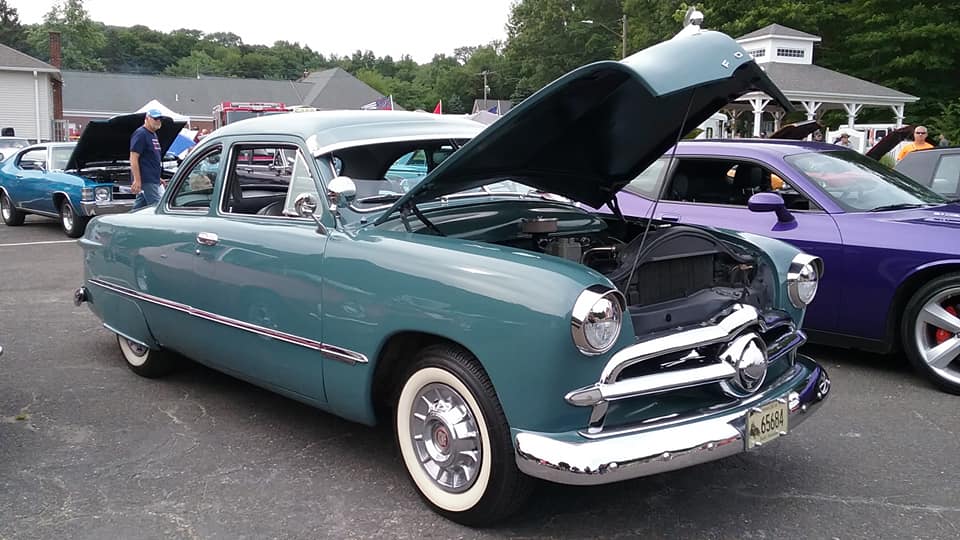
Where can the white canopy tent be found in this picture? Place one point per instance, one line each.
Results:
(169, 113)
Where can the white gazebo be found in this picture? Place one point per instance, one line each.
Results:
(787, 57)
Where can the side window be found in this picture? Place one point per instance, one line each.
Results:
(257, 180)
(302, 182)
(33, 160)
(729, 183)
(947, 176)
(648, 182)
(195, 188)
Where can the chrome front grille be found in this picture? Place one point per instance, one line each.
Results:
(685, 359)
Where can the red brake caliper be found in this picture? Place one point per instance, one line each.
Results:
(943, 335)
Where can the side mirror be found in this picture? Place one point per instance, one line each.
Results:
(341, 190)
(770, 202)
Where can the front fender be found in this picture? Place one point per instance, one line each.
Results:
(510, 308)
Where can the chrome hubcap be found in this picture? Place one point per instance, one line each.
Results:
(941, 355)
(5, 208)
(67, 219)
(136, 348)
(445, 437)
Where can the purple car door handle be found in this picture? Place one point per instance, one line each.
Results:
(670, 217)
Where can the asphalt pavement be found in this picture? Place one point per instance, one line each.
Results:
(89, 450)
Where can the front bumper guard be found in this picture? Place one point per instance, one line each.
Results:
(95, 208)
(571, 458)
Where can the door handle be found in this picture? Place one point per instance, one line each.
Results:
(208, 238)
(670, 217)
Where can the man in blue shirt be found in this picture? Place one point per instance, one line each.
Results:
(145, 160)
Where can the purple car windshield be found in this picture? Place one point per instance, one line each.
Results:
(860, 184)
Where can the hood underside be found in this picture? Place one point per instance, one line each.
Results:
(108, 141)
(588, 134)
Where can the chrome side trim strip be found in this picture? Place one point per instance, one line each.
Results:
(330, 351)
(126, 336)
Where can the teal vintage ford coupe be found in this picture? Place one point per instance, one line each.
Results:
(503, 331)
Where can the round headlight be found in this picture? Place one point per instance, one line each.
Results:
(803, 279)
(102, 194)
(597, 319)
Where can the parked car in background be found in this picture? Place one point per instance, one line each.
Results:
(73, 182)
(505, 336)
(889, 244)
(9, 145)
(937, 169)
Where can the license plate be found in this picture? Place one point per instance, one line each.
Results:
(766, 423)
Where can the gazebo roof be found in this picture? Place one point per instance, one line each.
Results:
(809, 81)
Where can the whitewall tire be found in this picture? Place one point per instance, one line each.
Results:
(144, 361)
(454, 439)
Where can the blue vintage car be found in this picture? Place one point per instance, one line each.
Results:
(75, 181)
(506, 336)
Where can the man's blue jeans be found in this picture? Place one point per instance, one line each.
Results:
(149, 195)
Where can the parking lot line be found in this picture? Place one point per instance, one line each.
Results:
(39, 243)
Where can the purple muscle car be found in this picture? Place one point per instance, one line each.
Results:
(890, 246)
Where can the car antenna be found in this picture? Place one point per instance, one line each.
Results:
(653, 209)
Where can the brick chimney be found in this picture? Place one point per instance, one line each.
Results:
(56, 60)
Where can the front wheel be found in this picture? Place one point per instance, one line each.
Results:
(454, 439)
(931, 331)
(143, 361)
(11, 216)
(73, 225)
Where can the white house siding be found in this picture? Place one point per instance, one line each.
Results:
(18, 103)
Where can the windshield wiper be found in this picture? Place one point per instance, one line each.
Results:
(898, 206)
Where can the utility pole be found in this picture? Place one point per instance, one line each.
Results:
(486, 88)
(623, 35)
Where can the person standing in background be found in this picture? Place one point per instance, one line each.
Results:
(919, 143)
(145, 160)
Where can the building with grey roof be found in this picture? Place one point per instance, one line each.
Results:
(28, 87)
(786, 55)
(89, 95)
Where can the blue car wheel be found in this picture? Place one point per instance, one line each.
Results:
(11, 216)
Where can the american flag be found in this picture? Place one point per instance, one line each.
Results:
(383, 104)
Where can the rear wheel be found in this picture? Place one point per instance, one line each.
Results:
(454, 439)
(11, 216)
(73, 225)
(144, 361)
(931, 331)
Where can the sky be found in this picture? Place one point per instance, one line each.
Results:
(419, 28)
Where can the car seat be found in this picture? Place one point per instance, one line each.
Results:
(273, 209)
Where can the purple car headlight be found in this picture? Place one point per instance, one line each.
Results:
(803, 279)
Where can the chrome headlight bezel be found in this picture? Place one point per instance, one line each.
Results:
(804, 270)
(86, 194)
(101, 194)
(597, 304)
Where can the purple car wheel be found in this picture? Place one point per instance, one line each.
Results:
(931, 331)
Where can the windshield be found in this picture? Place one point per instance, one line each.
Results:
(61, 154)
(858, 183)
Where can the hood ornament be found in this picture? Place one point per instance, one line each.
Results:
(691, 22)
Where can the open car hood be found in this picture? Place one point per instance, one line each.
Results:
(589, 133)
(797, 131)
(887, 143)
(106, 141)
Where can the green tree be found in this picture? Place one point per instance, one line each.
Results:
(12, 33)
(82, 39)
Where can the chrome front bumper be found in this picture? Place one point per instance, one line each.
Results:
(572, 458)
(94, 208)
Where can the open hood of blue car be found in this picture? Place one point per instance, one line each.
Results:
(588, 134)
(108, 141)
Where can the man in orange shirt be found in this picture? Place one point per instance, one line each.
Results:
(919, 142)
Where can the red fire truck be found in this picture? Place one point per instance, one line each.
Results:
(228, 112)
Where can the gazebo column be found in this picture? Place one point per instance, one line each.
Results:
(852, 110)
(778, 119)
(898, 112)
(734, 115)
(758, 105)
(811, 108)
